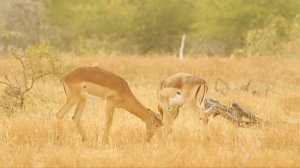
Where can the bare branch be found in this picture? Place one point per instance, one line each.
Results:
(17, 82)
(246, 86)
(8, 81)
(227, 89)
(5, 83)
(34, 79)
(23, 67)
(42, 75)
(221, 90)
(30, 86)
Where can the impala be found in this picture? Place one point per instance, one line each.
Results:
(179, 89)
(84, 81)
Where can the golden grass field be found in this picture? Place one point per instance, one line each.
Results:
(27, 139)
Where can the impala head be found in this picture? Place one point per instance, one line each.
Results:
(155, 119)
(169, 110)
(155, 123)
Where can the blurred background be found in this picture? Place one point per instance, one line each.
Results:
(244, 28)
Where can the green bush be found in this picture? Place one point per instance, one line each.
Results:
(141, 26)
(279, 37)
(36, 62)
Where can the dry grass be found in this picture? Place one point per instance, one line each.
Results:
(27, 139)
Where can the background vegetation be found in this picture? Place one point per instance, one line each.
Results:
(213, 27)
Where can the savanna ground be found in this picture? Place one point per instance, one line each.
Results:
(27, 139)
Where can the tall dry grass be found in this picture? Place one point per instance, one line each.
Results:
(27, 139)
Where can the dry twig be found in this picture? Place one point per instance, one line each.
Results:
(223, 88)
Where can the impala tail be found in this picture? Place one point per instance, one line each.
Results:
(201, 97)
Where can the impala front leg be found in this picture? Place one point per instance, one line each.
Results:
(77, 116)
(109, 111)
(149, 133)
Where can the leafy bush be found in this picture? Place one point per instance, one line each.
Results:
(279, 37)
(33, 64)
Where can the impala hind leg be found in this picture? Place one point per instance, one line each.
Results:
(202, 113)
(109, 111)
(202, 116)
(71, 101)
(77, 115)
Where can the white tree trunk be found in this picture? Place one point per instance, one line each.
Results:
(182, 46)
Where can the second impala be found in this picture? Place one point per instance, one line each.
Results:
(179, 89)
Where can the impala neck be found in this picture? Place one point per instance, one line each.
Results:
(137, 109)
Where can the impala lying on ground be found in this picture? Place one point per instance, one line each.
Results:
(179, 89)
(84, 81)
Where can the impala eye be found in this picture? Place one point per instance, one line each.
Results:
(169, 109)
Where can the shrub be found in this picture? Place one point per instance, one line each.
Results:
(34, 63)
(279, 37)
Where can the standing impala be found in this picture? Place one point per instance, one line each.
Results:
(84, 81)
(179, 89)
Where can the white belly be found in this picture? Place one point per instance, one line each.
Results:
(93, 90)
